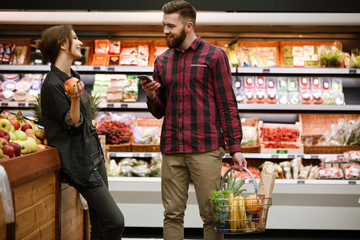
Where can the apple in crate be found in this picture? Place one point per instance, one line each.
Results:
(3, 142)
(71, 85)
(25, 127)
(15, 123)
(20, 135)
(8, 150)
(16, 147)
(5, 134)
(5, 124)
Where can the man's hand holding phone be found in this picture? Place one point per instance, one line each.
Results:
(149, 85)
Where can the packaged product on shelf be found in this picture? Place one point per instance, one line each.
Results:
(292, 85)
(260, 83)
(21, 95)
(249, 82)
(271, 83)
(113, 60)
(271, 97)
(331, 55)
(100, 59)
(102, 46)
(282, 85)
(130, 91)
(295, 167)
(312, 172)
(294, 98)
(128, 60)
(155, 165)
(141, 169)
(326, 84)
(19, 55)
(305, 97)
(114, 47)
(286, 168)
(329, 173)
(339, 98)
(114, 94)
(23, 85)
(351, 171)
(283, 98)
(317, 97)
(336, 85)
(238, 83)
(328, 98)
(316, 83)
(143, 55)
(304, 172)
(146, 135)
(101, 84)
(260, 96)
(113, 169)
(249, 96)
(305, 83)
(352, 156)
(6, 50)
(7, 95)
(249, 136)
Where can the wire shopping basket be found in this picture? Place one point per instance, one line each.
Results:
(242, 214)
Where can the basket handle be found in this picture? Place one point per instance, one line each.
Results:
(222, 182)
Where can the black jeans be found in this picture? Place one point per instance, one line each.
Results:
(107, 221)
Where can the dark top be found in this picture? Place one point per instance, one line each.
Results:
(196, 99)
(73, 141)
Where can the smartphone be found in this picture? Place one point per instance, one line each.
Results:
(144, 77)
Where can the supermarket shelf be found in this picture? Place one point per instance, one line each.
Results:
(299, 71)
(246, 155)
(124, 105)
(298, 108)
(17, 104)
(149, 69)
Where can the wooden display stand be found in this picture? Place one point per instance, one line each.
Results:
(43, 207)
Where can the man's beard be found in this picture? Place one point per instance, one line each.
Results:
(176, 41)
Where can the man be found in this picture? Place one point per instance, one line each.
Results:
(193, 92)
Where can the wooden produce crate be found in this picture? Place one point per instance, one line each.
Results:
(286, 52)
(147, 122)
(315, 125)
(124, 147)
(282, 150)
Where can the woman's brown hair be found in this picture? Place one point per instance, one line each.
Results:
(52, 39)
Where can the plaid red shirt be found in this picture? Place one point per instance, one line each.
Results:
(196, 100)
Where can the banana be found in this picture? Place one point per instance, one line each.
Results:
(242, 214)
(232, 213)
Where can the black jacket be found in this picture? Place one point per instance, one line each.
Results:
(73, 143)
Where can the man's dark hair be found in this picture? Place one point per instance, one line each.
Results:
(185, 10)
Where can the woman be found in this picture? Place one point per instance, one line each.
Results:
(68, 127)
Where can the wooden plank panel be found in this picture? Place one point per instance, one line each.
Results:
(2, 222)
(72, 224)
(34, 217)
(28, 194)
(69, 198)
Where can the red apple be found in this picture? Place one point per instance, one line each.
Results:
(8, 150)
(3, 142)
(15, 123)
(25, 127)
(16, 147)
(71, 84)
(30, 135)
(5, 134)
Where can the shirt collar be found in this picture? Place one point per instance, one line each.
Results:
(62, 75)
(194, 44)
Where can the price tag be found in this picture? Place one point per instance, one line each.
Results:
(274, 156)
(111, 69)
(21, 104)
(314, 157)
(31, 105)
(352, 182)
(301, 182)
(136, 155)
(291, 156)
(300, 156)
(110, 105)
(96, 68)
(4, 104)
(124, 105)
(352, 71)
(266, 70)
(147, 155)
(282, 151)
(112, 155)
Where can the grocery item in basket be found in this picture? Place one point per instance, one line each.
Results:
(352, 171)
(267, 180)
(253, 204)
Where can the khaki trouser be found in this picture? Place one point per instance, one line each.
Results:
(205, 171)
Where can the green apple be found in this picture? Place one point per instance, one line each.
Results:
(20, 135)
(12, 129)
(23, 145)
(1, 153)
(5, 123)
(32, 144)
(12, 136)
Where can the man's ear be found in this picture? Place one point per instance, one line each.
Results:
(188, 27)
